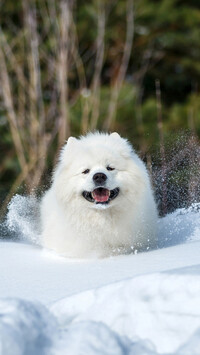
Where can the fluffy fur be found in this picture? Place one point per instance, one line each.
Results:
(77, 227)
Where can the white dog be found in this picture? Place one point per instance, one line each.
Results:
(100, 202)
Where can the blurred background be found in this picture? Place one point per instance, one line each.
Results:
(72, 66)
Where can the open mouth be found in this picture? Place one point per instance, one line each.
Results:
(101, 195)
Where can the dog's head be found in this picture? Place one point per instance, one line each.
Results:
(99, 170)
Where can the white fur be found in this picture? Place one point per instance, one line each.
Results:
(75, 227)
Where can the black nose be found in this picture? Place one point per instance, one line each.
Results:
(99, 178)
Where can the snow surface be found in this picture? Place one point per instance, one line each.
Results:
(142, 304)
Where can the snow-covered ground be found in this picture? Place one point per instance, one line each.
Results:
(142, 304)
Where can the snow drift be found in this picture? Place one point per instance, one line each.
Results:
(135, 304)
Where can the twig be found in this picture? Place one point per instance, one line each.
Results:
(95, 99)
(63, 67)
(8, 102)
(123, 67)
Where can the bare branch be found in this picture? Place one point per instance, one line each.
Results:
(123, 67)
(95, 101)
(8, 102)
(63, 67)
(36, 100)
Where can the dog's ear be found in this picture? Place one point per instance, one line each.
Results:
(71, 141)
(115, 135)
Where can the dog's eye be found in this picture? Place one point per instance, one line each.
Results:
(109, 168)
(86, 171)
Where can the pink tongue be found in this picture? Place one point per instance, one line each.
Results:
(101, 196)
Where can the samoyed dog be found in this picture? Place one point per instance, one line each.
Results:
(100, 202)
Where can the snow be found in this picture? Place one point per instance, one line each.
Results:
(147, 307)
(142, 304)
(25, 328)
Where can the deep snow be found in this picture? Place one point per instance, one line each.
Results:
(148, 303)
